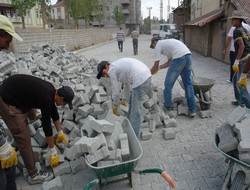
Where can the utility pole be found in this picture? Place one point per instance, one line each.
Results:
(149, 13)
(161, 11)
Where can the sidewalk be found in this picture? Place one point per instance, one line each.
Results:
(190, 157)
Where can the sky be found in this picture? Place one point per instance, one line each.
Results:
(155, 4)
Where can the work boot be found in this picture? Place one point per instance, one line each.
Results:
(171, 113)
(40, 177)
(191, 114)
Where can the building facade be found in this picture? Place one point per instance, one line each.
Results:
(32, 19)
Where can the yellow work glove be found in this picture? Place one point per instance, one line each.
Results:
(123, 102)
(243, 81)
(8, 156)
(61, 137)
(54, 158)
(235, 67)
(116, 110)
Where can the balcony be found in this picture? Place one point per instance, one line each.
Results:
(125, 2)
(125, 11)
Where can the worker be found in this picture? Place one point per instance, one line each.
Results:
(180, 64)
(129, 72)
(242, 52)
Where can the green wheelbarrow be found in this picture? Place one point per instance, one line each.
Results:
(126, 167)
(239, 178)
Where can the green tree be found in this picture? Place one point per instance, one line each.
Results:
(23, 6)
(80, 9)
(45, 10)
(118, 15)
(99, 10)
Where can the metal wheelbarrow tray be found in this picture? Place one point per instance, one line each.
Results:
(201, 86)
(240, 176)
(126, 167)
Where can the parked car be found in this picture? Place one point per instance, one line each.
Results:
(166, 31)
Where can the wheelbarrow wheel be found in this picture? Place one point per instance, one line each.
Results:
(238, 181)
(203, 105)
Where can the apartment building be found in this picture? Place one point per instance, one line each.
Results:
(32, 19)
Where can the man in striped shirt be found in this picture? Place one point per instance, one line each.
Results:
(120, 36)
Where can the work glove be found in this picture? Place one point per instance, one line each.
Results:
(116, 110)
(235, 67)
(61, 137)
(123, 102)
(8, 156)
(243, 81)
(54, 158)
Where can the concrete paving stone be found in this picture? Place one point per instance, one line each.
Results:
(216, 182)
(200, 173)
(183, 175)
(197, 184)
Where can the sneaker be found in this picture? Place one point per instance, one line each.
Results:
(171, 113)
(229, 81)
(236, 103)
(40, 177)
(191, 114)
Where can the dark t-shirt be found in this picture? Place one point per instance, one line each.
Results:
(240, 32)
(26, 92)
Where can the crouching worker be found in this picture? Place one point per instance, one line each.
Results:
(131, 73)
(20, 96)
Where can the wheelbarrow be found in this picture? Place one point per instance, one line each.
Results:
(126, 167)
(201, 86)
(239, 177)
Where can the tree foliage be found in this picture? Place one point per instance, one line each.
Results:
(80, 9)
(99, 10)
(118, 15)
(23, 6)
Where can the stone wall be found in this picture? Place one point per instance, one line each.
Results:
(73, 39)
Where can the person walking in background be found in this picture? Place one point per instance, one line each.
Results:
(135, 36)
(180, 64)
(242, 59)
(129, 72)
(230, 42)
(120, 36)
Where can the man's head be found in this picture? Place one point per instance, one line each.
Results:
(154, 41)
(7, 32)
(237, 17)
(102, 69)
(65, 95)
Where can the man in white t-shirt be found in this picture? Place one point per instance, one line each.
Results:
(179, 61)
(129, 72)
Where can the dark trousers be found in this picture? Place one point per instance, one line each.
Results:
(7, 178)
(120, 45)
(135, 46)
(232, 57)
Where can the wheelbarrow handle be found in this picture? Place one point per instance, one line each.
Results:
(163, 173)
(91, 184)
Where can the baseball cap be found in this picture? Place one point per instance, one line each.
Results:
(7, 26)
(68, 94)
(100, 67)
(153, 40)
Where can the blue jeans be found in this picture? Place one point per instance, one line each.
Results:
(120, 45)
(135, 105)
(245, 96)
(180, 67)
(8, 179)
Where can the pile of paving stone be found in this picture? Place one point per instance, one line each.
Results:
(93, 130)
(234, 135)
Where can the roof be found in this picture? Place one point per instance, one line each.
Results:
(244, 5)
(59, 4)
(207, 18)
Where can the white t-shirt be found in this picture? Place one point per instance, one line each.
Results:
(171, 48)
(231, 33)
(128, 71)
